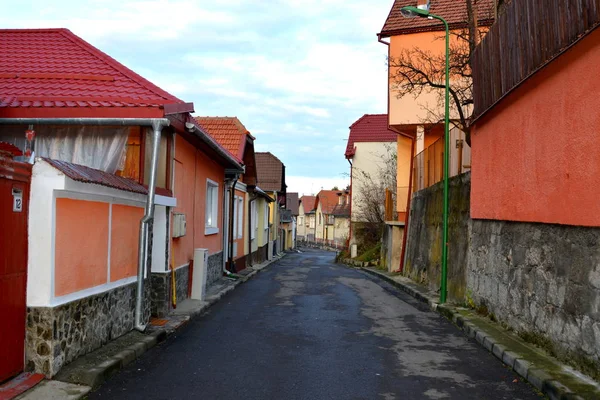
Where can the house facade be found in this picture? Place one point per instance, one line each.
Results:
(369, 142)
(332, 217)
(109, 150)
(306, 220)
(271, 179)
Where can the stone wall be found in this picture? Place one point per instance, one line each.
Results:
(161, 303)
(542, 280)
(58, 335)
(215, 268)
(424, 242)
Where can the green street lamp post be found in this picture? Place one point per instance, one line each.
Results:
(411, 12)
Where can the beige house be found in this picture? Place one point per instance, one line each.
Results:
(306, 218)
(332, 217)
(369, 143)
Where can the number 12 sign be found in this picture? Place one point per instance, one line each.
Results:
(17, 200)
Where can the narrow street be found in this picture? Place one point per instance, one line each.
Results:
(306, 328)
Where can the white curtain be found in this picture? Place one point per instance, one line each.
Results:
(98, 147)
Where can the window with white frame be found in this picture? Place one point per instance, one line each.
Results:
(266, 216)
(253, 219)
(240, 216)
(212, 208)
(311, 221)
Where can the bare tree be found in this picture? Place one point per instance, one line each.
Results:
(416, 70)
(369, 188)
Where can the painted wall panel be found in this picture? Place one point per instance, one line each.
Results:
(80, 263)
(125, 225)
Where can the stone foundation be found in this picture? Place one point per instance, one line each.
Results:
(58, 335)
(215, 268)
(161, 303)
(542, 280)
(259, 256)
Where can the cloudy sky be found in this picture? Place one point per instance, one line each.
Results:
(297, 73)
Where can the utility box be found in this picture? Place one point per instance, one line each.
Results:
(199, 274)
(179, 225)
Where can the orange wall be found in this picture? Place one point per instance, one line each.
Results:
(80, 262)
(125, 227)
(192, 168)
(536, 156)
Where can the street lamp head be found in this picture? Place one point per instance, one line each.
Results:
(411, 12)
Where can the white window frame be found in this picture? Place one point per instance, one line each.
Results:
(239, 220)
(266, 216)
(211, 209)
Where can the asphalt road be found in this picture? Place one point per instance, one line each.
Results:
(306, 328)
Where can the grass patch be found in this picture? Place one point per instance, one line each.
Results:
(371, 254)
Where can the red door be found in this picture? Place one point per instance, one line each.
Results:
(14, 206)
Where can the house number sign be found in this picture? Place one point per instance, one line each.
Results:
(17, 200)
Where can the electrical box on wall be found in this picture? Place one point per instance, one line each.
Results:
(179, 225)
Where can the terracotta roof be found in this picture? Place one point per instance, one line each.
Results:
(80, 173)
(453, 11)
(369, 128)
(328, 199)
(53, 68)
(309, 203)
(229, 132)
(270, 172)
(292, 203)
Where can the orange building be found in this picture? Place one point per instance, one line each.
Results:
(125, 185)
(415, 117)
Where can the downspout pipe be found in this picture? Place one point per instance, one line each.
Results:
(157, 127)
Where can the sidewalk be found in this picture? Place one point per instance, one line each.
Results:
(87, 373)
(551, 377)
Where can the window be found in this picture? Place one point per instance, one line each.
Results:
(312, 221)
(239, 201)
(212, 207)
(320, 218)
(266, 216)
(300, 220)
(253, 219)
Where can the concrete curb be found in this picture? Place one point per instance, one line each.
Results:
(540, 379)
(95, 377)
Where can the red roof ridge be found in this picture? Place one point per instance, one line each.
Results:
(122, 69)
(364, 116)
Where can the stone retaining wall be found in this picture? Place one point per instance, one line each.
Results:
(215, 268)
(56, 336)
(161, 303)
(542, 280)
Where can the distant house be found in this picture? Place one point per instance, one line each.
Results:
(271, 179)
(369, 141)
(93, 127)
(306, 218)
(332, 211)
(242, 229)
(293, 205)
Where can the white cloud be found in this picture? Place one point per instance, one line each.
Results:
(306, 185)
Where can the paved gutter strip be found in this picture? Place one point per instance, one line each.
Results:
(99, 373)
(551, 384)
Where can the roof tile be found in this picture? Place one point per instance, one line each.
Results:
(48, 67)
(269, 171)
(453, 11)
(229, 132)
(369, 128)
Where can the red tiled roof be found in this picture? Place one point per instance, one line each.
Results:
(53, 68)
(229, 132)
(309, 203)
(453, 11)
(369, 128)
(269, 171)
(84, 174)
(328, 199)
(341, 210)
